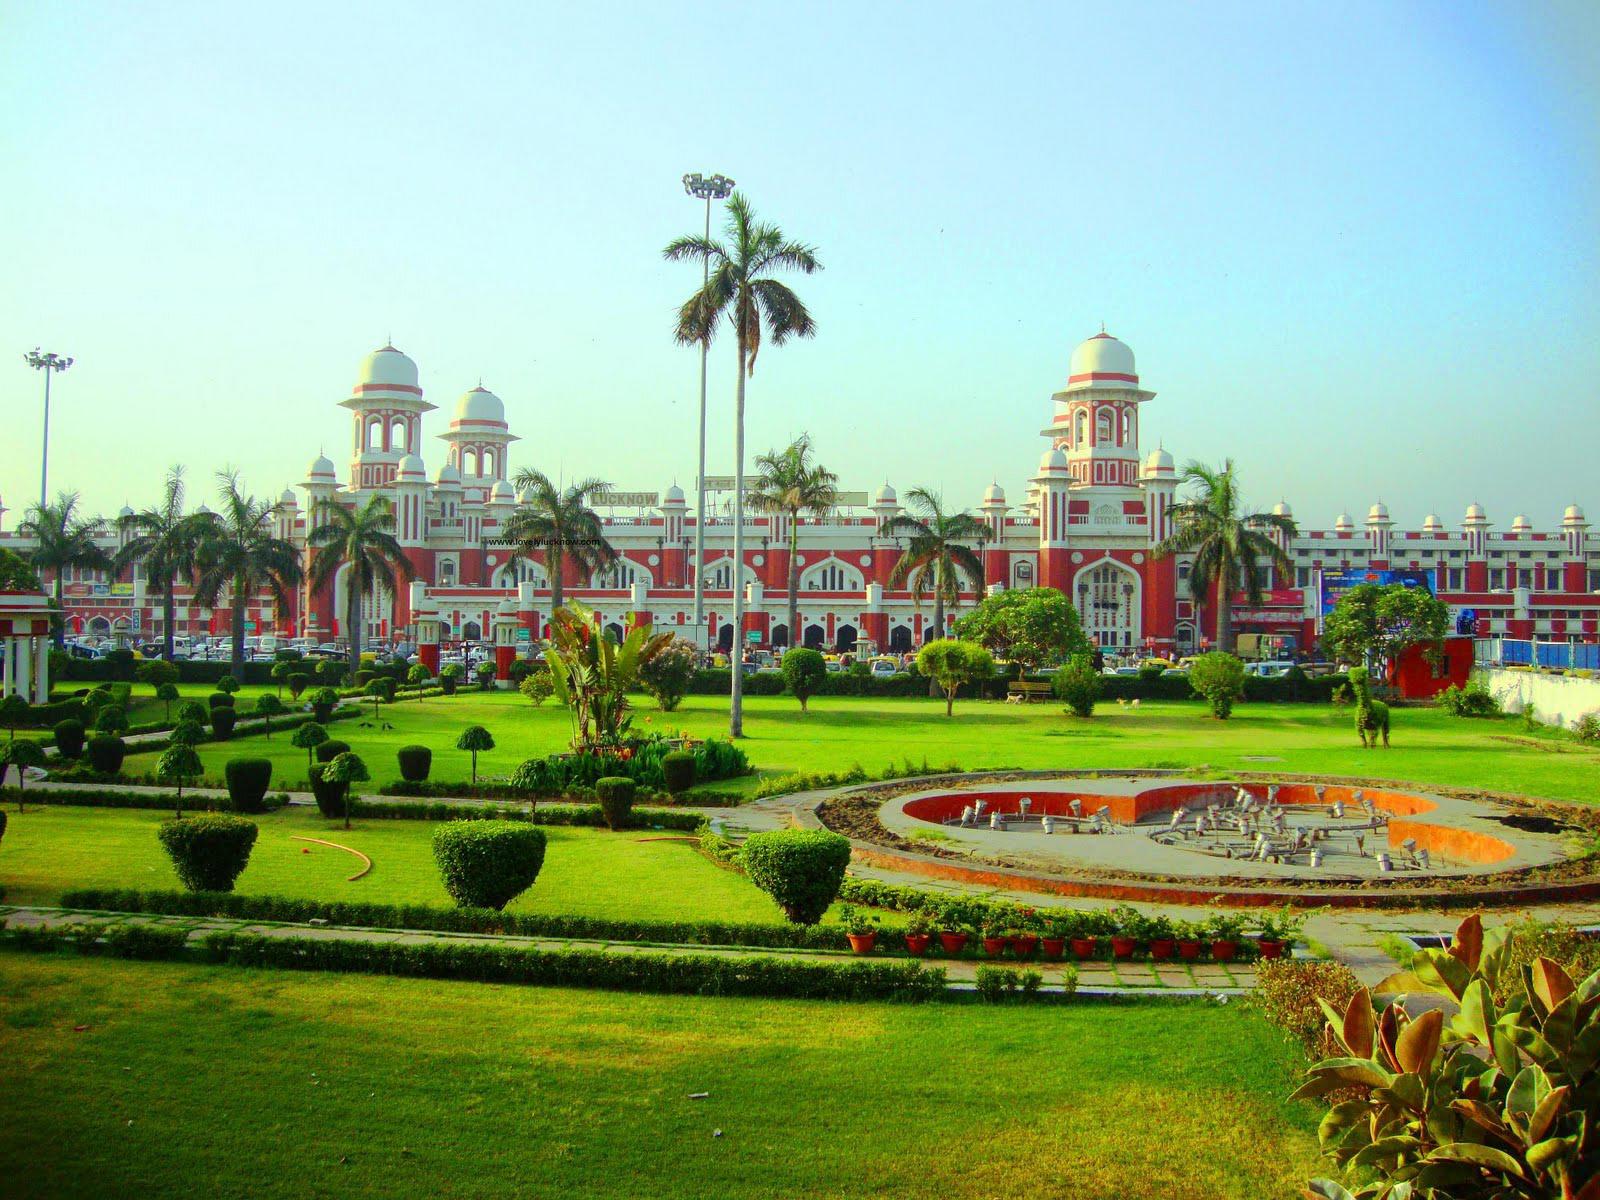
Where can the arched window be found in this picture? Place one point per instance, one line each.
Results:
(1102, 427)
(620, 574)
(447, 572)
(832, 575)
(1128, 438)
(1080, 429)
(397, 435)
(375, 434)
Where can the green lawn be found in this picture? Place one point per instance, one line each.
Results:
(1429, 745)
(159, 1079)
(589, 872)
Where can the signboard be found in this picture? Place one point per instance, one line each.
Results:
(1273, 598)
(852, 499)
(524, 634)
(752, 636)
(627, 499)
(1337, 583)
(122, 589)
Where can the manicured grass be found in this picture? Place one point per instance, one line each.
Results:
(268, 1084)
(1429, 746)
(588, 872)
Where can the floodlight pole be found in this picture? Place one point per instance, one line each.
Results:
(718, 187)
(47, 363)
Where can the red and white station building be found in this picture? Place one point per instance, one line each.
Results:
(1085, 523)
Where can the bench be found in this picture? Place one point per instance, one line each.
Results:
(1025, 691)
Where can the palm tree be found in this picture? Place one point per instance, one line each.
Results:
(1229, 547)
(167, 541)
(63, 540)
(559, 521)
(936, 556)
(364, 538)
(738, 289)
(240, 555)
(789, 483)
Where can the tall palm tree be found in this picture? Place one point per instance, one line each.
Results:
(166, 540)
(1231, 548)
(63, 540)
(936, 558)
(239, 555)
(364, 538)
(559, 521)
(738, 289)
(789, 483)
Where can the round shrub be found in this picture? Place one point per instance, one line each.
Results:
(193, 710)
(187, 733)
(415, 763)
(677, 769)
(112, 719)
(1079, 684)
(248, 780)
(615, 793)
(329, 793)
(1219, 679)
(218, 700)
(69, 737)
(383, 689)
(227, 685)
(223, 719)
(323, 701)
(208, 851)
(418, 674)
(801, 869)
(487, 864)
(447, 683)
(299, 681)
(331, 749)
(105, 753)
(804, 672)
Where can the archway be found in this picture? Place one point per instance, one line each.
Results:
(614, 632)
(99, 627)
(1107, 596)
(815, 637)
(472, 632)
(844, 638)
(725, 638)
(780, 636)
(900, 639)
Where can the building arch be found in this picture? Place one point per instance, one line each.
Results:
(844, 638)
(1080, 429)
(523, 570)
(1107, 595)
(815, 637)
(622, 573)
(1022, 573)
(100, 626)
(900, 639)
(725, 638)
(832, 574)
(780, 635)
(471, 631)
(1102, 427)
(719, 574)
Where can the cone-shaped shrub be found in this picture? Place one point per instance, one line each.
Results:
(208, 851)
(801, 869)
(105, 754)
(615, 793)
(69, 737)
(677, 767)
(415, 762)
(487, 864)
(223, 719)
(248, 780)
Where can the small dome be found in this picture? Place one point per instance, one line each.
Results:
(1052, 460)
(1104, 362)
(502, 493)
(1475, 512)
(674, 495)
(449, 475)
(387, 368)
(885, 495)
(480, 406)
(1378, 512)
(473, 496)
(288, 498)
(1282, 509)
(1573, 513)
(1158, 462)
(321, 470)
(411, 468)
(994, 494)
(1521, 524)
(1432, 524)
(506, 607)
(1343, 522)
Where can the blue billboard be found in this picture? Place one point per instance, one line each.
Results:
(1337, 583)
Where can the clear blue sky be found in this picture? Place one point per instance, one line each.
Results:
(1353, 245)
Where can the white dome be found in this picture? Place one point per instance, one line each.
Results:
(1475, 512)
(674, 495)
(387, 368)
(480, 406)
(1432, 523)
(1052, 460)
(125, 511)
(287, 499)
(411, 468)
(994, 494)
(502, 493)
(1378, 512)
(1520, 524)
(321, 469)
(448, 474)
(1573, 513)
(1343, 521)
(1158, 460)
(1102, 361)
(1282, 509)
(885, 495)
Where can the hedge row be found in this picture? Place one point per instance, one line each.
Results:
(1113, 687)
(462, 790)
(43, 793)
(550, 814)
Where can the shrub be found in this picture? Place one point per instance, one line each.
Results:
(537, 686)
(487, 864)
(330, 794)
(418, 674)
(1078, 683)
(111, 719)
(179, 764)
(267, 707)
(21, 753)
(485, 671)
(668, 673)
(1289, 991)
(415, 762)
(187, 733)
(995, 984)
(167, 693)
(69, 738)
(105, 753)
(330, 749)
(804, 672)
(248, 780)
(331, 670)
(801, 869)
(344, 770)
(308, 737)
(227, 685)
(1218, 678)
(323, 701)
(299, 681)
(475, 738)
(208, 851)
(193, 710)
(223, 719)
(156, 671)
(1474, 700)
(218, 700)
(952, 664)
(1587, 728)
(615, 794)
(677, 771)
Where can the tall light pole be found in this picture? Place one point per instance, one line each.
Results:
(48, 363)
(718, 187)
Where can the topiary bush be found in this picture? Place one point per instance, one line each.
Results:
(193, 710)
(487, 864)
(112, 719)
(329, 750)
(223, 719)
(615, 793)
(801, 869)
(299, 681)
(323, 701)
(69, 736)
(418, 674)
(187, 733)
(105, 753)
(218, 700)
(209, 851)
(227, 685)
(804, 672)
(248, 780)
(677, 770)
(330, 794)
(1219, 679)
(415, 763)
(1078, 683)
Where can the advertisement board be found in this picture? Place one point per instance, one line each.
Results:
(1337, 583)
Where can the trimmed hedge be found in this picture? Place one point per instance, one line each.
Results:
(223, 719)
(105, 754)
(801, 869)
(248, 780)
(415, 762)
(44, 716)
(332, 795)
(615, 794)
(42, 793)
(210, 851)
(678, 771)
(69, 736)
(549, 814)
(331, 749)
(488, 864)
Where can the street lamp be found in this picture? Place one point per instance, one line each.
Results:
(47, 363)
(718, 187)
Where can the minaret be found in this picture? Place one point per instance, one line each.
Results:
(996, 568)
(673, 570)
(321, 484)
(479, 438)
(386, 408)
(1378, 528)
(1096, 421)
(1476, 526)
(1575, 568)
(1054, 481)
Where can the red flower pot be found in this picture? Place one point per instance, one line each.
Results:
(1054, 947)
(1163, 948)
(862, 943)
(1024, 945)
(1189, 949)
(1224, 950)
(1084, 947)
(994, 947)
(953, 943)
(1270, 948)
(1123, 947)
(917, 943)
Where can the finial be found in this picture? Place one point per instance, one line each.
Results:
(1102, 326)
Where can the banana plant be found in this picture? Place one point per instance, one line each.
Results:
(592, 674)
(1471, 1100)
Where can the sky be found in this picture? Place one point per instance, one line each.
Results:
(1353, 246)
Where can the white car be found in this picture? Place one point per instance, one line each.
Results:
(883, 670)
(1268, 670)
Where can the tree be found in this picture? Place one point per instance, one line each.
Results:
(804, 671)
(308, 737)
(267, 707)
(936, 557)
(167, 693)
(1027, 626)
(15, 573)
(346, 768)
(1079, 684)
(281, 670)
(13, 712)
(63, 540)
(789, 484)
(1372, 624)
(592, 674)
(475, 738)
(1231, 548)
(668, 674)
(950, 662)
(1219, 678)
(239, 555)
(21, 755)
(362, 539)
(739, 290)
(538, 686)
(166, 541)
(177, 764)
(382, 692)
(559, 522)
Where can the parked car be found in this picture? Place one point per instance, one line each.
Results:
(882, 668)
(1268, 670)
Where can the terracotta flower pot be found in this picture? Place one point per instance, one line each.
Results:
(917, 943)
(1054, 947)
(862, 943)
(1224, 950)
(994, 947)
(1123, 947)
(1024, 945)
(1189, 949)
(1163, 948)
(953, 943)
(1084, 947)
(1270, 947)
